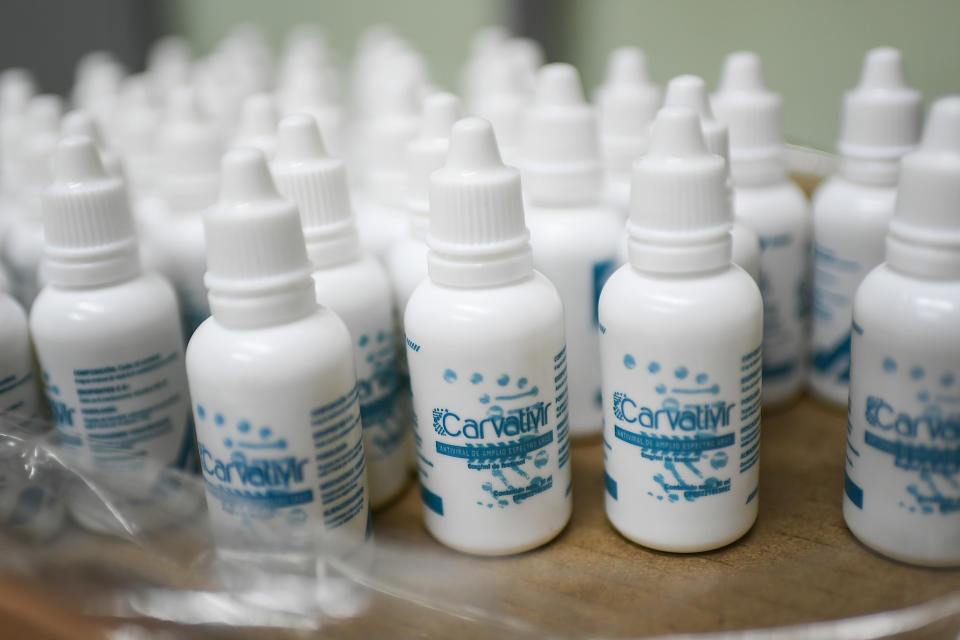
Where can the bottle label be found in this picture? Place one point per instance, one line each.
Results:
(785, 287)
(903, 441)
(115, 414)
(838, 271)
(379, 393)
(492, 438)
(278, 484)
(681, 434)
(18, 395)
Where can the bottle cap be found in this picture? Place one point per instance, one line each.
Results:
(390, 131)
(678, 193)
(476, 208)
(254, 239)
(426, 153)
(753, 114)
(168, 64)
(82, 123)
(317, 184)
(560, 156)
(882, 115)
(137, 133)
(258, 124)
(626, 105)
(86, 216)
(41, 131)
(313, 90)
(190, 149)
(502, 97)
(928, 197)
(16, 88)
(691, 91)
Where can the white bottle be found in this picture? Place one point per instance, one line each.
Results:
(354, 285)
(273, 382)
(502, 98)
(576, 238)
(626, 103)
(487, 363)
(19, 393)
(23, 242)
(681, 332)
(379, 204)
(107, 336)
(258, 124)
(853, 208)
(766, 200)
(902, 483)
(691, 91)
(190, 149)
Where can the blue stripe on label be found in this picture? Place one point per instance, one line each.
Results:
(271, 498)
(610, 484)
(778, 370)
(853, 492)
(676, 444)
(915, 456)
(431, 500)
(497, 450)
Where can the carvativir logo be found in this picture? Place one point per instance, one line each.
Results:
(515, 422)
(264, 472)
(691, 417)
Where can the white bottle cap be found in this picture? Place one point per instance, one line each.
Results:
(882, 115)
(502, 98)
(168, 64)
(137, 134)
(753, 114)
(390, 131)
(16, 88)
(89, 232)
(426, 153)
(82, 123)
(41, 131)
(190, 149)
(924, 234)
(527, 57)
(258, 124)
(691, 91)
(678, 196)
(254, 239)
(317, 184)
(627, 102)
(560, 156)
(476, 211)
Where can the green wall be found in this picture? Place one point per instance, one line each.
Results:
(812, 49)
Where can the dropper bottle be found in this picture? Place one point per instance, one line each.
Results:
(691, 91)
(627, 102)
(900, 487)
(108, 340)
(190, 149)
(853, 208)
(487, 363)
(354, 285)
(765, 199)
(577, 240)
(681, 330)
(273, 383)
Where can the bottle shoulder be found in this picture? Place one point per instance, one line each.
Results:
(519, 307)
(779, 204)
(145, 296)
(904, 304)
(838, 196)
(13, 319)
(354, 286)
(581, 228)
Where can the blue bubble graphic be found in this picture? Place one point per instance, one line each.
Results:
(923, 396)
(227, 442)
(947, 380)
(450, 375)
(476, 378)
(889, 365)
(265, 432)
(681, 373)
(653, 367)
(243, 426)
(218, 418)
(521, 383)
(364, 339)
(917, 373)
(201, 412)
(701, 378)
(503, 380)
(629, 361)
(661, 388)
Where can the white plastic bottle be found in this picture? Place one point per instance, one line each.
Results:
(853, 208)
(626, 103)
(902, 483)
(681, 332)
(354, 285)
(576, 238)
(273, 382)
(190, 150)
(107, 335)
(487, 363)
(765, 199)
(19, 393)
(691, 91)
(23, 242)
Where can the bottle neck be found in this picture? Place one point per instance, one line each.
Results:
(418, 213)
(881, 172)
(265, 308)
(490, 270)
(332, 245)
(79, 269)
(710, 253)
(932, 259)
(757, 172)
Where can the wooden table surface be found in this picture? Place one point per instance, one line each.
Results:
(798, 564)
